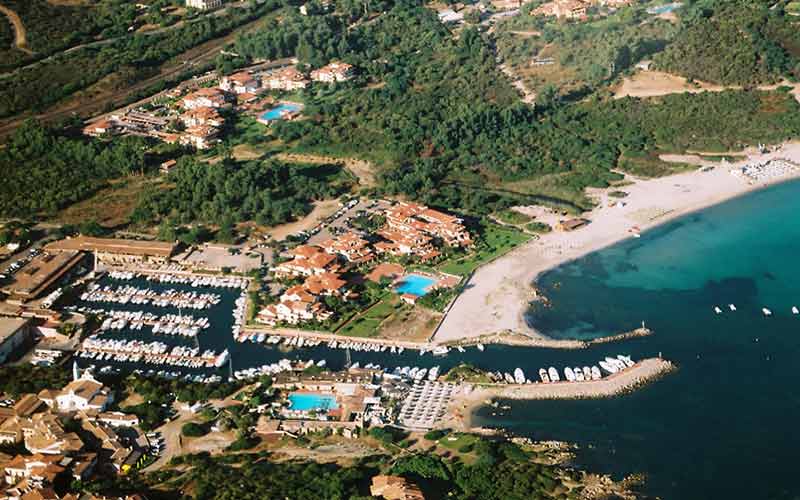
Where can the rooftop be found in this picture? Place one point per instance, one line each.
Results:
(112, 245)
(41, 272)
(9, 326)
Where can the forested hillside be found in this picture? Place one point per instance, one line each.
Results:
(735, 42)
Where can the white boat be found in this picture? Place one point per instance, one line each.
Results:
(766, 311)
(569, 374)
(795, 310)
(480, 347)
(440, 351)
(543, 375)
(731, 307)
(610, 368)
(627, 360)
(717, 310)
(433, 374)
(553, 373)
(519, 376)
(596, 375)
(578, 374)
(509, 378)
(587, 373)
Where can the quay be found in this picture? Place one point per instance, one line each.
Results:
(473, 396)
(319, 336)
(641, 373)
(521, 340)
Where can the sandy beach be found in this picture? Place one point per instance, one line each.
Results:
(496, 297)
(471, 398)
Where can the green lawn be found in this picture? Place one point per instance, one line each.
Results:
(361, 327)
(494, 240)
(383, 309)
(456, 441)
(512, 217)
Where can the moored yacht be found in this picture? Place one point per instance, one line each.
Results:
(553, 373)
(543, 375)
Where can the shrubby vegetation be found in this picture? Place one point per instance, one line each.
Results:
(25, 378)
(44, 171)
(499, 470)
(131, 58)
(736, 42)
(586, 55)
(268, 192)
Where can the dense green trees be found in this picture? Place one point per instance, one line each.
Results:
(133, 58)
(741, 42)
(500, 470)
(44, 171)
(267, 192)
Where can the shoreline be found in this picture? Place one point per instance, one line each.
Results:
(497, 296)
(463, 407)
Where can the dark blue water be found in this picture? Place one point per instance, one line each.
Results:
(725, 425)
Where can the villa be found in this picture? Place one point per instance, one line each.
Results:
(327, 284)
(307, 261)
(407, 241)
(563, 9)
(408, 217)
(100, 127)
(200, 137)
(333, 72)
(206, 98)
(302, 303)
(240, 83)
(202, 116)
(38, 470)
(285, 79)
(350, 246)
(293, 312)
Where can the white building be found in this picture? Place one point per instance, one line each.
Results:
(83, 393)
(204, 4)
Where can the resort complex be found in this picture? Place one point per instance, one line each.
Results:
(403, 251)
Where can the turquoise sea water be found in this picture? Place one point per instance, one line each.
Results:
(415, 284)
(304, 401)
(725, 425)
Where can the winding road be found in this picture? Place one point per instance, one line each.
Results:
(20, 35)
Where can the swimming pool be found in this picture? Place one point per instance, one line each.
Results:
(663, 9)
(277, 112)
(305, 401)
(415, 284)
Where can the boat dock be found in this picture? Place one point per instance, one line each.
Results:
(641, 373)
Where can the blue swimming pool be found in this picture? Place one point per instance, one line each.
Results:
(303, 401)
(415, 284)
(663, 9)
(277, 112)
